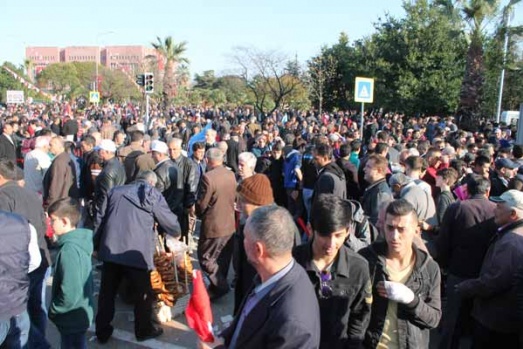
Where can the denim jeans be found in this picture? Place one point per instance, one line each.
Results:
(14, 332)
(74, 341)
(37, 309)
(307, 201)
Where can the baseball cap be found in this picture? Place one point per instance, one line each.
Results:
(505, 163)
(160, 147)
(513, 198)
(107, 145)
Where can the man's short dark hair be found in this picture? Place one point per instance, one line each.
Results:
(414, 162)
(477, 184)
(517, 151)
(381, 147)
(66, 208)
(356, 145)
(323, 150)
(400, 208)
(345, 150)
(330, 213)
(8, 170)
(448, 174)
(137, 136)
(197, 146)
(481, 160)
(88, 139)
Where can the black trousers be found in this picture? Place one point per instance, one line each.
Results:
(485, 338)
(140, 281)
(214, 255)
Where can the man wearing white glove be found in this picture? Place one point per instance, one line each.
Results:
(406, 284)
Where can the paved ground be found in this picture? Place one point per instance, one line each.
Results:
(176, 333)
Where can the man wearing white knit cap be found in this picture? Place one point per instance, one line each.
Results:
(113, 173)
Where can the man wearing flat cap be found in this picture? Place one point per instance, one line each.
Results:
(504, 170)
(494, 290)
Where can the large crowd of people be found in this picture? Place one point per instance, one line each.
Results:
(406, 235)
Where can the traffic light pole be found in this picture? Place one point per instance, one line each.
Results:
(146, 121)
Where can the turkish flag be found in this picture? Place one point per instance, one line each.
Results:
(198, 312)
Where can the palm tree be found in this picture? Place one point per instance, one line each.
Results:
(476, 13)
(28, 67)
(171, 55)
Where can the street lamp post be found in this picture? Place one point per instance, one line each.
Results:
(507, 14)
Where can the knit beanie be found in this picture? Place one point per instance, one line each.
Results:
(256, 190)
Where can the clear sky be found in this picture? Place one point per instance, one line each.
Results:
(212, 28)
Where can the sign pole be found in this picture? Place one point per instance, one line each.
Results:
(362, 119)
(363, 93)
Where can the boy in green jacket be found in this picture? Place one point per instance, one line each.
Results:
(71, 307)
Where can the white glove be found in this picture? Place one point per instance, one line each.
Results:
(171, 242)
(398, 292)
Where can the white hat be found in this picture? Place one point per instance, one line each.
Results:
(107, 145)
(513, 198)
(159, 147)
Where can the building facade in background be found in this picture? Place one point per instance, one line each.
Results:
(130, 59)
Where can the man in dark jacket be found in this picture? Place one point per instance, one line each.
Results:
(504, 171)
(26, 203)
(281, 310)
(340, 276)
(186, 187)
(70, 128)
(7, 143)
(331, 179)
(350, 171)
(463, 240)
(378, 192)
(60, 179)
(495, 306)
(112, 175)
(406, 284)
(17, 258)
(167, 173)
(124, 238)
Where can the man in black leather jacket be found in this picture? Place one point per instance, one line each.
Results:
(406, 284)
(113, 173)
(167, 173)
(187, 185)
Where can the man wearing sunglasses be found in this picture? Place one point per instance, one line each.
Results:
(339, 275)
(406, 284)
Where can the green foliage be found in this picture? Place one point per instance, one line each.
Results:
(75, 79)
(8, 82)
(417, 63)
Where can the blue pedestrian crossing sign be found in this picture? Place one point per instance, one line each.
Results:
(94, 96)
(364, 90)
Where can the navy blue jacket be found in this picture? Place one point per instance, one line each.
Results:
(124, 227)
(287, 317)
(14, 264)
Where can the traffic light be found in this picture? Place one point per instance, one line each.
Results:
(149, 83)
(140, 80)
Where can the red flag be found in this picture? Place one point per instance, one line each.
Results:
(198, 312)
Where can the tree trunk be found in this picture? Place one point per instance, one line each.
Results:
(472, 87)
(168, 84)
